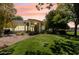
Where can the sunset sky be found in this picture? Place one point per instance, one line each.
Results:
(29, 11)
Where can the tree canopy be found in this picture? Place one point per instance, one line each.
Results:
(61, 16)
(7, 12)
(17, 18)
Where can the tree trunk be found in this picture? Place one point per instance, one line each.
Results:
(53, 31)
(75, 30)
(1, 31)
(1, 26)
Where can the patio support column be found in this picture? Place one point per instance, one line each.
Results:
(29, 25)
(39, 27)
(24, 27)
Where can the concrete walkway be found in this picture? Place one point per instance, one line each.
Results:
(9, 40)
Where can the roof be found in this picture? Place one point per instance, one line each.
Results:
(18, 22)
(34, 20)
(21, 22)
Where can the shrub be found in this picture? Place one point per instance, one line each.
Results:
(38, 52)
(66, 48)
(20, 33)
(6, 51)
(62, 32)
(32, 33)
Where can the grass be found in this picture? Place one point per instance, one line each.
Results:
(72, 33)
(44, 44)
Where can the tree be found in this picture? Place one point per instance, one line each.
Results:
(7, 12)
(49, 17)
(60, 16)
(17, 18)
(54, 17)
(71, 10)
(76, 21)
(55, 20)
(74, 15)
(49, 6)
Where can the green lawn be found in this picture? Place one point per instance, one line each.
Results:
(72, 33)
(43, 44)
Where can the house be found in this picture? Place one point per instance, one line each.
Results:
(28, 25)
(19, 25)
(35, 25)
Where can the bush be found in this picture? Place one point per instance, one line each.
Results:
(20, 33)
(65, 48)
(62, 32)
(32, 33)
(6, 51)
(37, 52)
(49, 31)
(43, 31)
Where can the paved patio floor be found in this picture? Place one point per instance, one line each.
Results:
(9, 40)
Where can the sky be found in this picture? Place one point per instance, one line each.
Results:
(29, 11)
